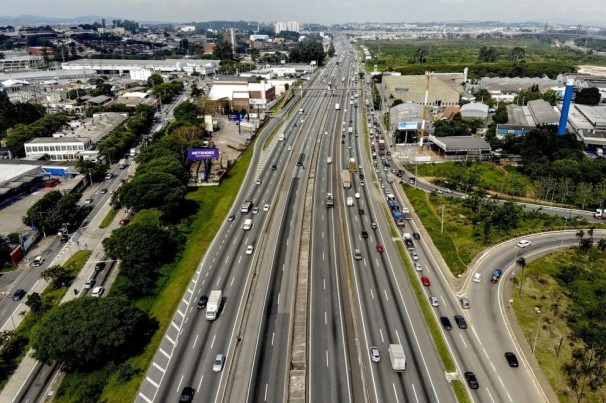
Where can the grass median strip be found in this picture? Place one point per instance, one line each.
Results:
(109, 218)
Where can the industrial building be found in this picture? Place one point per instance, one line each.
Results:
(142, 69)
(507, 88)
(460, 148)
(474, 110)
(18, 63)
(413, 89)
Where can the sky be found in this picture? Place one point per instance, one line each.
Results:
(319, 11)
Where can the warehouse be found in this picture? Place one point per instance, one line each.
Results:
(460, 148)
(412, 89)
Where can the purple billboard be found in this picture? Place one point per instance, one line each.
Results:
(202, 153)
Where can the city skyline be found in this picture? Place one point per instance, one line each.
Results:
(590, 12)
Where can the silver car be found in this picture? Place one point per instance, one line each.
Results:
(218, 363)
(375, 354)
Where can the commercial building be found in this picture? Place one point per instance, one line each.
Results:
(18, 63)
(413, 88)
(287, 26)
(507, 88)
(142, 69)
(460, 148)
(474, 110)
(57, 148)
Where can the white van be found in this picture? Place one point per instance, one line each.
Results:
(247, 224)
(350, 201)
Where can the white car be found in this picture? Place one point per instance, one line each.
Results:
(434, 301)
(357, 254)
(250, 249)
(255, 210)
(38, 260)
(524, 243)
(357, 195)
(97, 291)
(289, 148)
(266, 207)
(258, 181)
(218, 363)
(477, 278)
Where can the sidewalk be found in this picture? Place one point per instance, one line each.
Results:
(89, 237)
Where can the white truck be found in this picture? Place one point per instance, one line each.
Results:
(337, 106)
(214, 304)
(397, 357)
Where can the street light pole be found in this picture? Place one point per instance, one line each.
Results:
(536, 335)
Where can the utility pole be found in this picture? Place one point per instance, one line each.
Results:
(422, 133)
(442, 208)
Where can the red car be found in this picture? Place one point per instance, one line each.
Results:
(425, 281)
(379, 248)
(124, 221)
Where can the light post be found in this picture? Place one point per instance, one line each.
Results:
(536, 335)
(442, 208)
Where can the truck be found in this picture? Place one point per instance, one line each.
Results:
(599, 214)
(351, 166)
(337, 107)
(350, 201)
(346, 177)
(246, 206)
(408, 241)
(122, 163)
(329, 200)
(281, 137)
(214, 304)
(350, 130)
(397, 357)
(133, 152)
(381, 144)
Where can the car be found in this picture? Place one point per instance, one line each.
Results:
(259, 181)
(361, 211)
(373, 225)
(440, 191)
(375, 354)
(361, 176)
(496, 275)
(202, 302)
(273, 167)
(255, 210)
(412, 181)
(364, 234)
(464, 302)
(89, 200)
(19, 294)
(512, 360)
(218, 363)
(124, 220)
(187, 395)
(425, 281)
(97, 291)
(103, 191)
(445, 323)
(289, 148)
(99, 266)
(460, 321)
(447, 190)
(434, 301)
(524, 243)
(64, 238)
(380, 248)
(357, 254)
(361, 183)
(108, 176)
(382, 186)
(477, 278)
(231, 217)
(416, 235)
(90, 283)
(472, 381)
(357, 195)
(38, 261)
(414, 255)
(266, 207)
(250, 249)
(418, 266)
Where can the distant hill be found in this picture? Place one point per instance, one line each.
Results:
(41, 20)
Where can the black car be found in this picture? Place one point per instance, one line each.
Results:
(361, 211)
(511, 358)
(416, 235)
(460, 321)
(273, 167)
(472, 381)
(187, 395)
(231, 217)
(445, 322)
(409, 243)
(361, 176)
(103, 191)
(202, 302)
(19, 294)
(100, 266)
(364, 234)
(64, 238)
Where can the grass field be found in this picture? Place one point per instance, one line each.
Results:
(549, 330)
(215, 203)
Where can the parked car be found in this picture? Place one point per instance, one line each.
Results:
(511, 358)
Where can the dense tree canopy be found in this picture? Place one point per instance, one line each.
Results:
(12, 114)
(142, 244)
(152, 190)
(488, 54)
(52, 211)
(223, 51)
(307, 51)
(87, 333)
(588, 96)
(22, 133)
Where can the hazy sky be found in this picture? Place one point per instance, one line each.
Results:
(321, 11)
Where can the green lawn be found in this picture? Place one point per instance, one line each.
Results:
(109, 218)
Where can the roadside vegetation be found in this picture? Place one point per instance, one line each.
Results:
(560, 309)
(499, 57)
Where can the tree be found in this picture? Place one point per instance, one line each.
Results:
(420, 56)
(188, 112)
(87, 333)
(154, 80)
(602, 245)
(57, 276)
(185, 137)
(517, 53)
(163, 191)
(522, 263)
(93, 170)
(588, 96)
(169, 164)
(34, 302)
(488, 54)
(254, 54)
(223, 51)
(140, 244)
(36, 214)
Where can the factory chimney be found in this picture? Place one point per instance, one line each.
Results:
(565, 107)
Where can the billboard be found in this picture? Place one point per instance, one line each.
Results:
(408, 125)
(202, 153)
